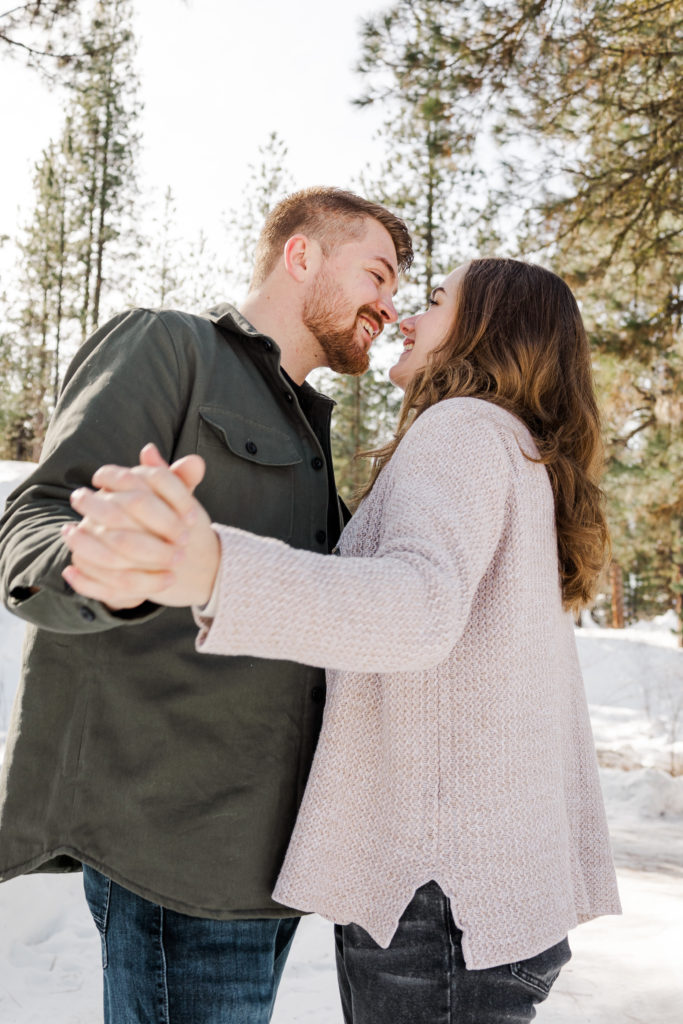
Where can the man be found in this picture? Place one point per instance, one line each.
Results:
(175, 779)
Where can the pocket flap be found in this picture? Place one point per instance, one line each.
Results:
(250, 439)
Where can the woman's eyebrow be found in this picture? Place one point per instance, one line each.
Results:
(435, 290)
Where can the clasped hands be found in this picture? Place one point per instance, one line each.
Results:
(143, 535)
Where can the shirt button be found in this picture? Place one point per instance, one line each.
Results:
(317, 462)
(251, 447)
(321, 536)
(267, 344)
(289, 396)
(86, 613)
(318, 694)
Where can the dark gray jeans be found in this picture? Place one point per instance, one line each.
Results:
(421, 978)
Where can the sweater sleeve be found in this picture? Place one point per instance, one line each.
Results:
(404, 608)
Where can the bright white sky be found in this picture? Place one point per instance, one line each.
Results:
(217, 76)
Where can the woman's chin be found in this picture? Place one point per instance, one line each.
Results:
(396, 377)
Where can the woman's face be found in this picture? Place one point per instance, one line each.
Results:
(426, 331)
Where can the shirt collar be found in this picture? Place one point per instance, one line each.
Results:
(228, 316)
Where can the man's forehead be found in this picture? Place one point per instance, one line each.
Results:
(378, 237)
(376, 245)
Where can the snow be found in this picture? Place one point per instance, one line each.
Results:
(624, 969)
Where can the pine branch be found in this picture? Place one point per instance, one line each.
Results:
(35, 52)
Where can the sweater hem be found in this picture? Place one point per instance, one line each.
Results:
(475, 958)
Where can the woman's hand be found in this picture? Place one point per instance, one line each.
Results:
(143, 535)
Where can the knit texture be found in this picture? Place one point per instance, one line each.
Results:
(456, 744)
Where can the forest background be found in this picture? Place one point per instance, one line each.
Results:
(549, 130)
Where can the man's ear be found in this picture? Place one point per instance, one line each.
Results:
(302, 256)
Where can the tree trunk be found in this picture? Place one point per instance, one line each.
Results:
(62, 255)
(617, 581)
(678, 604)
(102, 204)
(429, 236)
(87, 262)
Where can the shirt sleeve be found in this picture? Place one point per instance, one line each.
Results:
(121, 390)
(405, 607)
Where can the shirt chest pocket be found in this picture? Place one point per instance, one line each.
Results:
(250, 472)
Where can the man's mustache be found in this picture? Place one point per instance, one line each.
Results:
(371, 314)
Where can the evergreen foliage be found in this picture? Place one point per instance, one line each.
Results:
(429, 171)
(105, 149)
(43, 316)
(551, 128)
(426, 177)
(365, 415)
(43, 31)
(583, 97)
(268, 181)
(161, 265)
(174, 272)
(80, 241)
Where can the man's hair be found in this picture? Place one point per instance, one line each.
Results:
(331, 216)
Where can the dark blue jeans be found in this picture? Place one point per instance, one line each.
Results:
(161, 967)
(421, 978)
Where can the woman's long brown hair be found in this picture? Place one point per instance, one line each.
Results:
(518, 340)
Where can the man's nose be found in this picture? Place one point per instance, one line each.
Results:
(388, 310)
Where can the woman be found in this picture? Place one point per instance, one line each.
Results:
(452, 825)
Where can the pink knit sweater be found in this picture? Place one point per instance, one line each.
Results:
(456, 744)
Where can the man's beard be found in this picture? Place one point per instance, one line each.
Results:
(324, 309)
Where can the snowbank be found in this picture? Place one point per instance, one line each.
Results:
(634, 684)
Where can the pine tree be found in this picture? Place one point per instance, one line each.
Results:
(268, 181)
(584, 98)
(364, 416)
(204, 283)
(429, 172)
(425, 177)
(33, 348)
(104, 109)
(85, 189)
(608, 92)
(160, 273)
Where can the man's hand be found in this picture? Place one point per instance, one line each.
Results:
(143, 535)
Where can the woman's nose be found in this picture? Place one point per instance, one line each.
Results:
(407, 326)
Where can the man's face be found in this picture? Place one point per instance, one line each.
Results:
(351, 299)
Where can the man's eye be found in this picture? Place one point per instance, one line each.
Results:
(377, 277)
